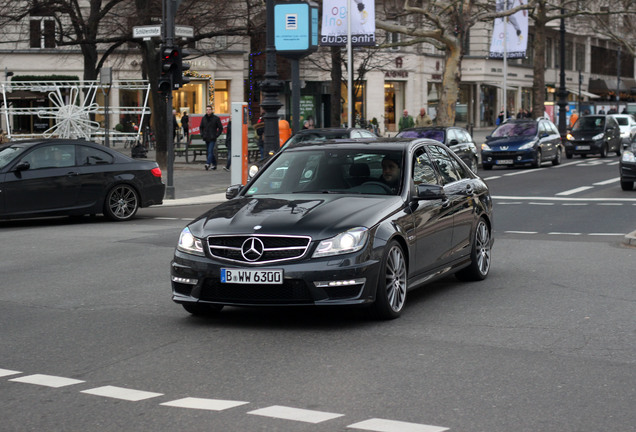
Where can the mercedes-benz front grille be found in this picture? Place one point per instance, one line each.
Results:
(258, 249)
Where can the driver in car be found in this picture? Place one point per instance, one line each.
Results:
(391, 172)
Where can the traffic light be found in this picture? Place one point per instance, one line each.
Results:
(182, 67)
(169, 66)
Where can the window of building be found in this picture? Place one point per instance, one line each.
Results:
(42, 32)
(221, 96)
(393, 38)
(569, 54)
(580, 57)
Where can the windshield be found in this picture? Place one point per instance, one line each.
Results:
(7, 154)
(589, 124)
(515, 129)
(436, 134)
(332, 171)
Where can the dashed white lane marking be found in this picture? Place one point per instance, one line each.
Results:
(297, 414)
(565, 233)
(541, 203)
(606, 182)
(47, 380)
(121, 393)
(7, 372)
(521, 232)
(575, 190)
(204, 404)
(382, 425)
(606, 234)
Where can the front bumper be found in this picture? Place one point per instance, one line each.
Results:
(583, 147)
(306, 282)
(508, 158)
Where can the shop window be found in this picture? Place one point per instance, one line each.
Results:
(221, 97)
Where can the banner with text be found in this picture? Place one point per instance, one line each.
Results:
(334, 23)
(516, 31)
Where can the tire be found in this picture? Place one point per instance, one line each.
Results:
(390, 296)
(569, 155)
(198, 309)
(627, 185)
(486, 167)
(536, 163)
(480, 255)
(557, 157)
(474, 165)
(604, 151)
(122, 203)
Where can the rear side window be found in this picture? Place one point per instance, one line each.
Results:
(92, 156)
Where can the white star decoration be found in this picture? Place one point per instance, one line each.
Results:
(71, 121)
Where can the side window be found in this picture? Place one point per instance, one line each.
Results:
(423, 171)
(542, 128)
(450, 136)
(446, 165)
(51, 156)
(91, 156)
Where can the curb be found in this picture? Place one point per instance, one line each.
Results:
(203, 199)
(630, 239)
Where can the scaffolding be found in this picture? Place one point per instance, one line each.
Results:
(72, 108)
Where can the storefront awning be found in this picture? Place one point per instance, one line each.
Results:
(583, 93)
(598, 86)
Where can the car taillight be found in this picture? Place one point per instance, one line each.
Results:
(156, 172)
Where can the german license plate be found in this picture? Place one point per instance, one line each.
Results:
(583, 147)
(504, 162)
(252, 276)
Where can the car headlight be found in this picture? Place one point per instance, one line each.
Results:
(346, 242)
(569, 137)
(189, 243)
(597, 137)
(485, 147)
(628, 156)
(527, 146)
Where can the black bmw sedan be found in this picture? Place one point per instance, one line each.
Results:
(74, 177)
(338, 223)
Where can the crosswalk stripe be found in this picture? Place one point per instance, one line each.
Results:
(204, 404)
(382, 425)
(47, 380)
(121, 393)
(7, 372)
(288, 413)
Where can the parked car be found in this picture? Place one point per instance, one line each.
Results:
(457, 139)
(338, 223)
(318, 134)
(74, 177)
(627, 166)
(521, 142)
(593, 134)
(627, 125)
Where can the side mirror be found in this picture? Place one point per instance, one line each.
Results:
(22, 166)
(430, 192)
(233, 191)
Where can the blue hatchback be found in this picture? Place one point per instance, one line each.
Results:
(522, 142)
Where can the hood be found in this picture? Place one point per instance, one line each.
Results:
(511, 142)
(586, 134)
(317, 215)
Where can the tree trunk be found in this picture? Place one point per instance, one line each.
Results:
(336, 92)
(538, 80)
(450, 84)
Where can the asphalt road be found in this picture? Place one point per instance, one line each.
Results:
(91, 341)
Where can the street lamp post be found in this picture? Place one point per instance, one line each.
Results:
(562, 94)
(271, 86)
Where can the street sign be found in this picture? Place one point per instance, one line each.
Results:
(183, 31)
(146, 32)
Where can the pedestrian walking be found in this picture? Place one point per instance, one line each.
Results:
(406, 121)
(423, 119)
(185, 124)
(210, 129)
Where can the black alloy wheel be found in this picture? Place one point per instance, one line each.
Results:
(557, 157)
(480, 255)
(122, 203)
(392, 283)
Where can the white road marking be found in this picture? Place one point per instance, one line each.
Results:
(564, 233)
(606, 182)
(610, 204)
(524, 172)
(47, 380)
(575, 190)
(121, 393)
(575, 204)
(382, 425)
(7, 372)
(288, 413)
(565, 199)
(521, 232)
(204, 404)
(491, 178)
(510, 203)
(606, 234)
(541, 203)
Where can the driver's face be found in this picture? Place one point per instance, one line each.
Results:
(390, 172)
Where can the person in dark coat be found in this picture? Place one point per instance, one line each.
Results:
(210, 130)
(185, 124)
